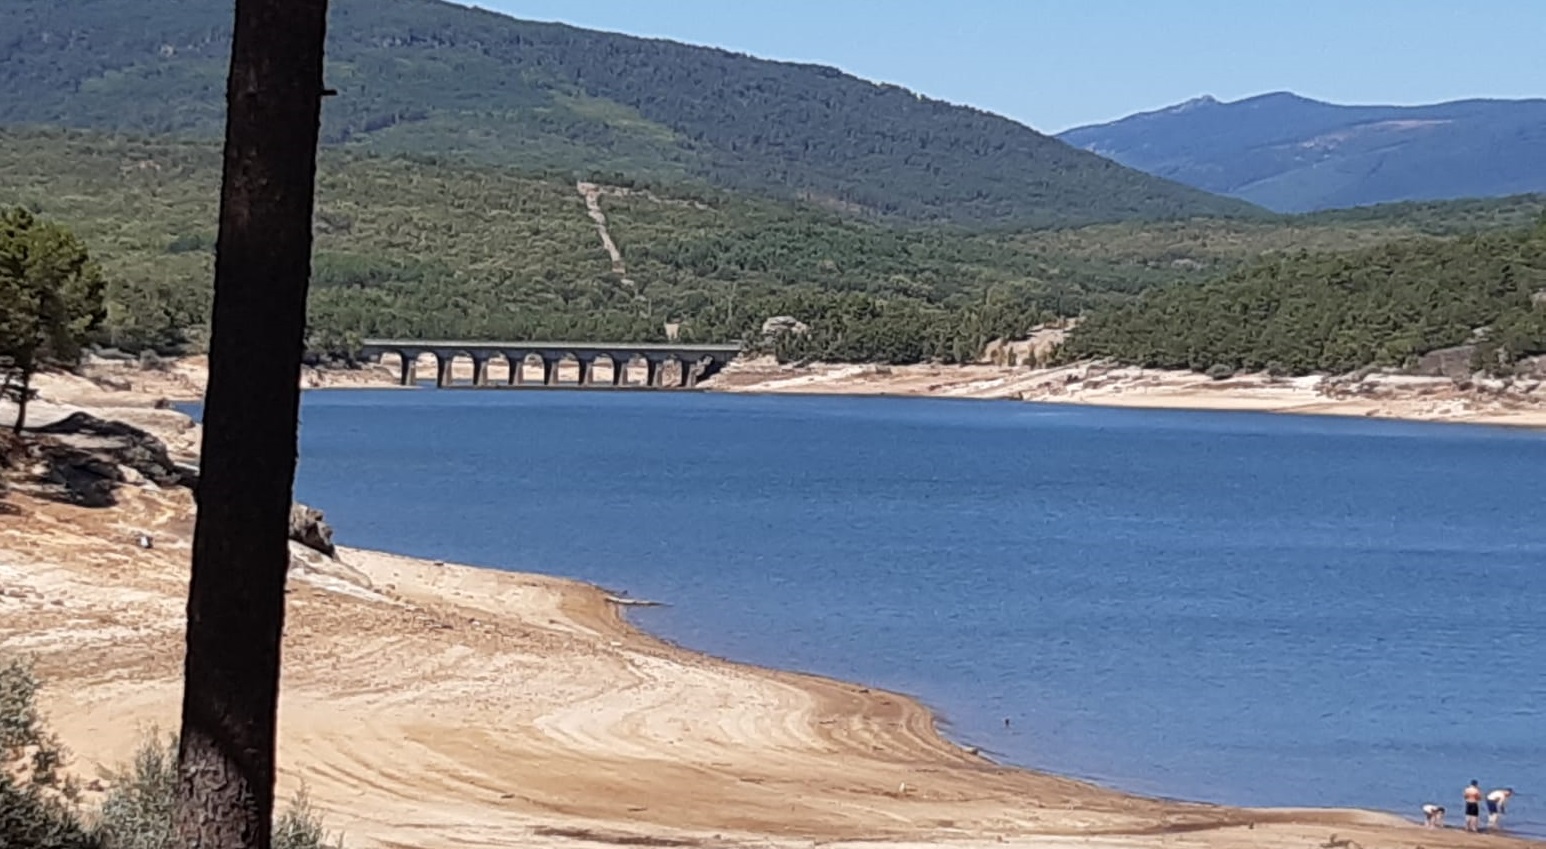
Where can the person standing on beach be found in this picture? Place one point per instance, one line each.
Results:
(1473, 806)
(1497, 806)
(1433, 815)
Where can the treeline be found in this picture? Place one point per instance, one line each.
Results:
(419, 248)
(1384, 306)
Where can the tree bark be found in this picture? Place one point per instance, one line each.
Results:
(247, 467)
(23, 395)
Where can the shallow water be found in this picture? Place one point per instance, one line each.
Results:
(1231, 607)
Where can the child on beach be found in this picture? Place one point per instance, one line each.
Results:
(1473, 806)
(1497, 806)
(1433, 815)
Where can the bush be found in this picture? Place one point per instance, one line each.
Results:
(37, 805)
(40, 808)
(139, 808)
(1221, 371)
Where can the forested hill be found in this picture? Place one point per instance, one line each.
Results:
(1384, 306)
(432, 78)
(1293, 154)
(437, 250)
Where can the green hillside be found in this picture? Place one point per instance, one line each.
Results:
(1385, 306)
(434, 79)
(408, 248)
(411, 249)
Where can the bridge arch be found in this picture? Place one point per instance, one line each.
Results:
(591, 364)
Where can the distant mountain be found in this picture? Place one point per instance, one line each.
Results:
(1293, 154)
(432, 78)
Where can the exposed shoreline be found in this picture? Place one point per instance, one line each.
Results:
(426, 704)
(1387, 396)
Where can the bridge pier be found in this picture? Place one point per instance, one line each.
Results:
(408, 371)
(480, 371)
(517, 363)
(619, 370)
(687, 378)
(549, 370)
(586, 366)
(443, 375)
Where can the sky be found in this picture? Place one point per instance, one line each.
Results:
(1056, 64)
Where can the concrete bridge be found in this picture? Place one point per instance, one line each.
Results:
(687, 364)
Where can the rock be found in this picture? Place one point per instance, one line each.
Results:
(1533, 367)
(1453, 363)
(781, 324)
(308, 528)
(122, 444)
(116, 384)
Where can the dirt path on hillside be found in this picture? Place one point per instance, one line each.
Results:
(592, 194)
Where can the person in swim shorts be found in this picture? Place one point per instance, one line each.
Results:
(1473, 806)
(1433, 815)
(1497, 805)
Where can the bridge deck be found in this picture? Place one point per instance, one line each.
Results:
(641, 347)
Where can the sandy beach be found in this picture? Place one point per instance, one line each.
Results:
(430, 704)
(1518, 403)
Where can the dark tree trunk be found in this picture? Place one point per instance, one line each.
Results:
(247, 469)
(5, 392)
(23, 395)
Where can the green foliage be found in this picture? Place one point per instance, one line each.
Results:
(408, 248)
(50, 292)
(448, 83)
(50, 299)
(1384, 306)
(446, 251)
(301, 827)
(36, 802)
(142, 800)
(40, 808)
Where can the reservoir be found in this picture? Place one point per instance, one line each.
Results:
(1240, 608)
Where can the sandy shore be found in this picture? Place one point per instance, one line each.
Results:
(428, 704)
(1521, 403)
(1516, 403)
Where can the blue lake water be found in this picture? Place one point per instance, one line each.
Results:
(1249, 609)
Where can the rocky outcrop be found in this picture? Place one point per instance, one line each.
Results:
(778, 325)
(1453, 363)
(103, 441)
(307, 527)
(82, 459)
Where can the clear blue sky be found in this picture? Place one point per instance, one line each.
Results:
(1055, 64)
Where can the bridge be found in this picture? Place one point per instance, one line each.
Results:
(659, 365)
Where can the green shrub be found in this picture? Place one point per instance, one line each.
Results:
(40, 808)
(142, 800)
(37, 804)
(301, 827)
